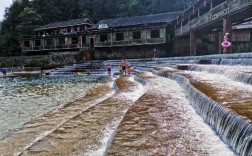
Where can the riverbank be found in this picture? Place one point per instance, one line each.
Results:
(25, 73)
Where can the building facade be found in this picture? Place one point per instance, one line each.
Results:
(114, 38)
(137, 37)
(60, 36)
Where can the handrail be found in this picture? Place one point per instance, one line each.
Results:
(131, 42)
(213, 14)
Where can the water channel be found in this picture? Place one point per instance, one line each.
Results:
(168, 107)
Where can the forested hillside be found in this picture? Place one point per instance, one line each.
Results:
(25, 15)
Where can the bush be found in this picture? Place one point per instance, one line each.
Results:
(7, 63)
(80, 55)
(34, 63)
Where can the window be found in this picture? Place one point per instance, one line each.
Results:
(37, 43)
(49, 42)
(119, 36)
(26, 43)
(84, 40)
(136, 35)
(104, 37)
(74, 40)
(155, 33)
(61, 41)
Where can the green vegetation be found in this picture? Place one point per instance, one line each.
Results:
(80, 55)
(34, 63)
(24, 15)
(7, 63)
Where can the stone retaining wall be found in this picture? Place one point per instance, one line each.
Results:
(55, 58)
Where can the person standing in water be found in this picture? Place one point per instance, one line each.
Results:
(226, 43)
(109, 67)
(120, 69)
(129, 70)
(124, 65)
(4, 71)
(154, 53)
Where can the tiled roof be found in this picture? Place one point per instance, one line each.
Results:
(148, 19)
(65, 24)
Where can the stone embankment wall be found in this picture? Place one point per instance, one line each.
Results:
(56, 58)
(134, 52)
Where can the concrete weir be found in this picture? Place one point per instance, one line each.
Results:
(87, 132)
(162, 122)
(233, 129)
(166, 108)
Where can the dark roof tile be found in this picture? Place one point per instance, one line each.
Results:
(148, 19)
(65, 24)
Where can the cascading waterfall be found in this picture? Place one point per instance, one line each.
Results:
(142, 82)
(220, 59)
(235, 75)
(235, 61)
(233, 129)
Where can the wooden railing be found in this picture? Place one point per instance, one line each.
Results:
(131, 42)
(213, 14)
(97, 44)
(55, 47)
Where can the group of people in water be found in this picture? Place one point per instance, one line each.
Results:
(123, 68)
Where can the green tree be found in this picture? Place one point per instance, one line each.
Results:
(49, 10)
(29, 21)
(9, 35)
(25, 15)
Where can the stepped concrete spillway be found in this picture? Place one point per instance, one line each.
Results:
(171, 106)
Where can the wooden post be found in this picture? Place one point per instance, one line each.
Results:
(111, 38)
(80, 41)
(32, 44)
(55, 43)
(192, 44)
(227, 28)
(217, 42)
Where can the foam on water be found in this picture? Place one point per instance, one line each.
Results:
(110, 130)
(233, 129)
(195, 128)
(134, 95)
(237, 73)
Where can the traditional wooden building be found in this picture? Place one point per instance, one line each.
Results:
(59, 36)
(132, 37)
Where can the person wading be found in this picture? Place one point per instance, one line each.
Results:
(124, 65)
(109, 67)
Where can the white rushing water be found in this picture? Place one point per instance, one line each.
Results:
(110, 130)
(232, 128)
(193, 126)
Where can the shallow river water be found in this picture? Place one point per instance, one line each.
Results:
(22, 99)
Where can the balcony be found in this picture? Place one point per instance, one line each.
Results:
(214, 14)
(131, 42)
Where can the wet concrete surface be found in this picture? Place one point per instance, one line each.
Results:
(234, 95)
(162, 122)
(47, 123)
(88, 132)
